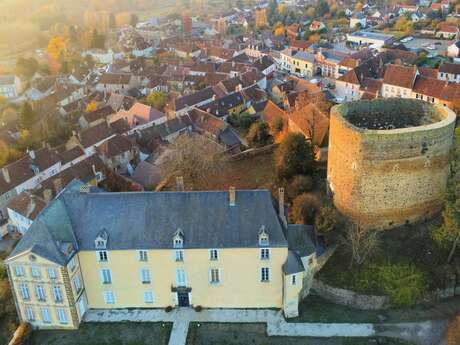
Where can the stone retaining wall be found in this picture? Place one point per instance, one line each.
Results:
(371, 302)
(350, 298)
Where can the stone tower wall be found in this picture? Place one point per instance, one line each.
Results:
(385, 178)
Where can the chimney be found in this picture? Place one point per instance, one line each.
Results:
(6, 175)
(232, 196)
(281, 206)
(180, 183)
(57, 183)
(281, 201)
(47, 195)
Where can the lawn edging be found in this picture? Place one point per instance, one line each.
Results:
(350, 298)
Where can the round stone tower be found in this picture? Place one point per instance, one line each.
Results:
(388, 160)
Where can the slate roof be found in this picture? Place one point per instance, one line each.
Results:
(205, 218)
(194, 98)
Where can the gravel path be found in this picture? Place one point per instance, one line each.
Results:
(421, 333)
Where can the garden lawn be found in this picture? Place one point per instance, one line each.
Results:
(255, 334)
(410, 244)
(316, 309)
(106, 334)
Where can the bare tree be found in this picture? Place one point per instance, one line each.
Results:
(361, 243)
(194, 157)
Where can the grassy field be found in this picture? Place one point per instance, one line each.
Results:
(255, 334)
(106, 334)
(316, 309)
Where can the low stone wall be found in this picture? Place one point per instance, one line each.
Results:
(254, 152)
(350, 298)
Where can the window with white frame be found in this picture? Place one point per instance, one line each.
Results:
(145, 276)
(57, 294)
(77, 284)
(148, 297)
(294, 280)
(35, 272)
(19, 271)
(142, 255)
(180, 277)
(52, 273)
(214, 276)
(24, 291)
(46, 317)
(265, 274)
(213, 255)
(30, 314)
(264, 254)
(102, 256)
(61, 314)
(106, 276)
(109, 297)
(179, 255)
(40, 291)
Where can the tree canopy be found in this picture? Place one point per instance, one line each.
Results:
(294, 156)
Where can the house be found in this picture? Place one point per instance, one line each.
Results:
(23, 209)
(310, 121)
(316, 26)
(398, 81)
(101, 56)
(447, 31)
(233, 103)
(449, 72)
(79, 256)
(10, 86)
(40, 88)
(139, 116)
(358, 20)
(215, 128)
(94, 136)
(117, 153)
(327, 63)
(181, 105)
(298, 62)
(453, 50)
(300, 45)
(266, 65)
(117, 82)
(95, 117)
(25, 174)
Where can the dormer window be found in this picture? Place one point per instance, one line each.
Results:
(263, 236)
(101, 240)
(178, 239)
